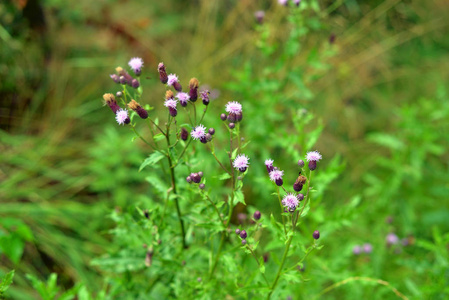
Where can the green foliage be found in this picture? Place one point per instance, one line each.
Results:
(5, 282)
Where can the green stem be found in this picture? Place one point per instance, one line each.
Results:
(287, 247)
(282, 210)
(255, 257)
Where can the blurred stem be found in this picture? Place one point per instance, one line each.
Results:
(255, 257)
(282, 210)
(287, 247)
(369, 279)
(182, 153)
(305, 201)
(144, 140)
(173, 182)
(213, 204)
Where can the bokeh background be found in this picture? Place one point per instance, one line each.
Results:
(373, 73)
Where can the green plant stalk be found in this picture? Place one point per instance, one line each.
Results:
(280, 266)
(282, 210)
(255, 257)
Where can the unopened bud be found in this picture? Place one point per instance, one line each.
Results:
(162, 73)
(193, 93)
(223, 117)
(184, 134)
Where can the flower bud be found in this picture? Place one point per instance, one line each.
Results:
(312, 165)
(135, 83)
(208, 137)
(239, 116)
(211, 131)
(115, 78)
(177, 86)
(169, 95)
(162, 73)
(203, 139)
(244, 242)
(189, 179)
(184, 134)
(202, 186)
(119, 94)
(297, 186)
(205, 97)
(300, 163)
(237, 231)
(200, 173)
(316, 234)
(128, 79)
(232, 117)
(193, 93)
(231, 125)
(257, 215)
(300, 197)
(243, 234)
(223, 117)
(138, 109)
(195, 177)
(110, 101)
(122, 80)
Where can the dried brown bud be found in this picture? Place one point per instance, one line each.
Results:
(138, 109)
(169, 95)
(193, 83)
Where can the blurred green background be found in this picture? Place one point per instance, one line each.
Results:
(373, 73)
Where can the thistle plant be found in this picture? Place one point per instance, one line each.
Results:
(177, 139)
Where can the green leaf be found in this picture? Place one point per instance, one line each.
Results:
(224, 176)
(154, 158)
(386, 140)
(6, 281)
(158, 137)
(261, 265)
(234, 153)
(239, 198)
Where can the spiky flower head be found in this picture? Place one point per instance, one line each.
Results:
(392, 239)
(172, 79)
(269, 165)
(276, 176)
(290, 201)
(136, 64)
(199, 132)
(122, 116)
(282, 2)
(233, 107)
(171, 105)
(313, 156)
(183, 98)
(241, 162)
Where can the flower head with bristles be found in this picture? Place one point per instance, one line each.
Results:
(276, 175)
(199, 132)
(136, 64)
(170, 103)
(313, 156)
(233, 107)
(172, 79)
(241, 162)
(183, 98)
(121, 116)
(290, 201)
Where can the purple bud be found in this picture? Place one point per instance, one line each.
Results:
(142, 112)
(177, 86)
(231, 125)
(316, 234)
(127, 120)
(173, 111)
(211, 131)
(300, 197)
(135, 83)
(200, 174)
(195, 177)
(239, 116)
(243, 234)
(279, 182)
(257, 215)
(184, 134)
(232, 117)
(162, 73)
(122, 80)
(300, 163)
(243, 242)
(297, 186)
(202, 186)
(208, 137)
(259, 15)
(203, 139)
(312, 165)
(223, 117)
(115, 78)
(189, 179)
(237, 231)
(243, 169)
(119, 94)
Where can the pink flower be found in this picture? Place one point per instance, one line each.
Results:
(172, 79)
(276, 175)
(313, 156)
(121, 116)
(241, 162)
(170, 103)
(183, 98)
(136, 64)
(290, 201)
(199, 132)
(233, 107)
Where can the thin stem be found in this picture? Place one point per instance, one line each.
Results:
(157, 126)
(282, 210)
(369, 279)
(144, 140)
(255, 257)
(287, 247)
(182, 153)
(219, 162)
(216, 209)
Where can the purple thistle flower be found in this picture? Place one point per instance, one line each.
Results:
(269, 165)
(233, 107)
(136, 64)
(290, 201)
(199, 132)
(173, 81)
(312, 157)
(171, 105)
(357, 250)
(392, 239)
(115, 77)
(243, 234)
(282, 2)
(296, 2)
(122, 116)
(367, 248)
(183, 98)
(205, 97)
(259, 15)
(276, 176)
(241, 162)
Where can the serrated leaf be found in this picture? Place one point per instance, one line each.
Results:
(6, 281)
(154, 158)
(239, 198)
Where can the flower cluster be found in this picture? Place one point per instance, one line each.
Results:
(234, 110)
